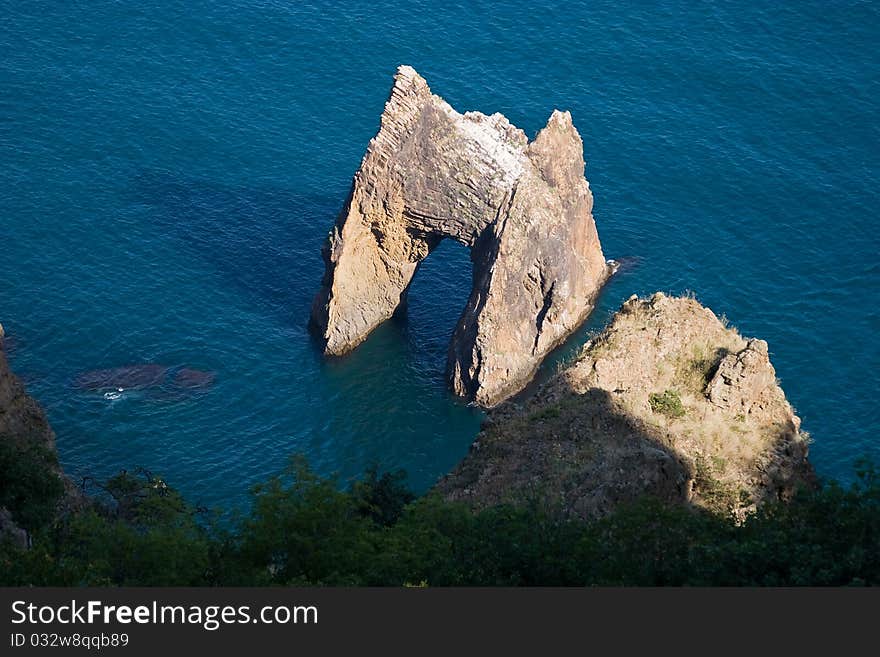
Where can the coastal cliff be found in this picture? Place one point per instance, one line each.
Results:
(668, 401)
(20, 415)
(523, 208)
(33, 484)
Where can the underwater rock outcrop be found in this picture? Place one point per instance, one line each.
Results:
(667, 401)
(523, 208)
(145, 377)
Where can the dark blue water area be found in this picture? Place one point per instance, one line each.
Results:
(169, 171)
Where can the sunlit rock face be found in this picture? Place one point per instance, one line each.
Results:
(523, 208)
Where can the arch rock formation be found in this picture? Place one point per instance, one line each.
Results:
(523, 208)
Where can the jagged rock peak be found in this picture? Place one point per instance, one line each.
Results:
(524, 209)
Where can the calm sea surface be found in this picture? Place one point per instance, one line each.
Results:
(168, 171)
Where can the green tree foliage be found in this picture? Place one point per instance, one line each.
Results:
(303, 529)
(29, 483)
(382, 497)
(140, 532)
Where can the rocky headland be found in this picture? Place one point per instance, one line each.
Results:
(667, 401)
(523, 208)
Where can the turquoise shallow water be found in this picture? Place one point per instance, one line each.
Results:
(168, 171)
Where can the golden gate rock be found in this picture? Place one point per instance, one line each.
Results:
(523, 208)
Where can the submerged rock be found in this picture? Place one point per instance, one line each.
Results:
(189, 378)
(128, 377)
(667, 401)
(149, 376)
(523, 208)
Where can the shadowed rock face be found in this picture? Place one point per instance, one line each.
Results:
(523, 208)
(667, 401)
(23, 426)
(21, 417)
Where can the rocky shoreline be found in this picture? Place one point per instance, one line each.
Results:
(667, 402)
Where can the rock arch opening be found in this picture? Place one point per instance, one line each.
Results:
(436, 297)
(523, 208)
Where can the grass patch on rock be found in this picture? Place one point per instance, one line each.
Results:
(667, 403)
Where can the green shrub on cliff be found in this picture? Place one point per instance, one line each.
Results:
(137, 532)
(667, 403)
(29, 483)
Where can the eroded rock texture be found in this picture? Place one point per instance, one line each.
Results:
(667, 401)
(523, 208)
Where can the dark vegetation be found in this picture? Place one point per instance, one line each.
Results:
(303, 529)
(29, 485)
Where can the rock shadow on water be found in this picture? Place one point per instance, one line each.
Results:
(265, 241)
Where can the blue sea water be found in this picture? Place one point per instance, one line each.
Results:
(169, 169)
